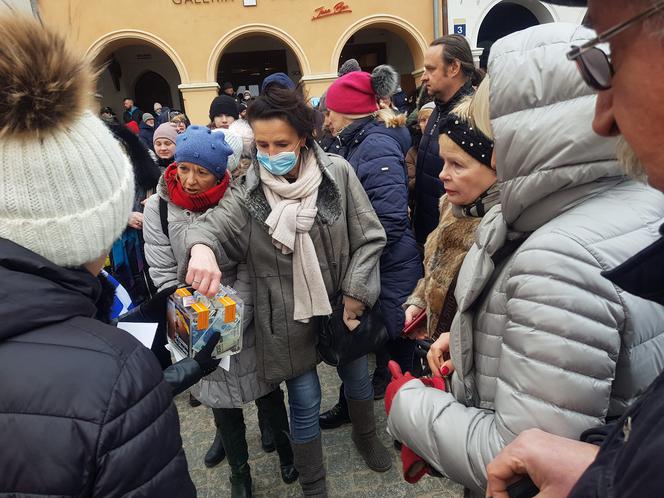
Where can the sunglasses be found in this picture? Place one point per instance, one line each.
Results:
(593, 63)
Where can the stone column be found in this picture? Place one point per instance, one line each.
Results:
(197, 98)
(317, 84)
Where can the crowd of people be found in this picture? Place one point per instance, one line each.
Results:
(504, 224)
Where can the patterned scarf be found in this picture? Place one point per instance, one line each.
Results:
(481, 205)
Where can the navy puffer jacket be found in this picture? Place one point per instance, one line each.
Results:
(146, 134)
(428, 187)
(377, 154)
(84, 408)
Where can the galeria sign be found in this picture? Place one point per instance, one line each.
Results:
(339, 8)
(199, 2)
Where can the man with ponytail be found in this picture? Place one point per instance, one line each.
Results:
(449, 75)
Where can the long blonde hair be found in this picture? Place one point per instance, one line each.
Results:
(475, 109)
(390, 118)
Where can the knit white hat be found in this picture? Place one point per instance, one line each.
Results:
(67, 187)
(235, 141)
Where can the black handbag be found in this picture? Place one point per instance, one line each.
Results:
(337, 345)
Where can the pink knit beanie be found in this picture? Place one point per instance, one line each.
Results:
(357, 92)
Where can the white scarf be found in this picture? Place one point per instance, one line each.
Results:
(293, 214)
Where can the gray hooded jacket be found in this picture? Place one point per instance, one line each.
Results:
(543, 340)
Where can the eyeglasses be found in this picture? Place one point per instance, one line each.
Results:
(593, 63)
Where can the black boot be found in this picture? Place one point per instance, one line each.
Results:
(267, 438)
(309, 463)
(381, 378)
(381, 375)
(216, 454)
(275, 411)
(337, 415)
(233, 434)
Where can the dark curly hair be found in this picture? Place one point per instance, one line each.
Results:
(287, 105)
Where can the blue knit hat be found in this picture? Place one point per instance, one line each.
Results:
(198, 145)
(279, 79)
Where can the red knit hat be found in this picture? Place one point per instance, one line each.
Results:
(133, 127)
(352, 94)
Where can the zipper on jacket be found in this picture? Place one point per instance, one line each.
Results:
(627, 429)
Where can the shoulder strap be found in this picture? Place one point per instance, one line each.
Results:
(508, 249)
(163, 215)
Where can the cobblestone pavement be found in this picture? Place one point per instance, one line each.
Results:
(347, 476)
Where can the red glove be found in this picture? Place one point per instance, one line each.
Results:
(435, 382)
(414, 467)
(398, 380)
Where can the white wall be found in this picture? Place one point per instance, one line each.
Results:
(134, 61)
(22, 6)
(474, 11)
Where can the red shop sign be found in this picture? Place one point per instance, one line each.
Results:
(339, 8)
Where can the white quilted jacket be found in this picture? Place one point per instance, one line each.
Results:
(543, 340)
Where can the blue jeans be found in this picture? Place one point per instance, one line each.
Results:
(304, 396)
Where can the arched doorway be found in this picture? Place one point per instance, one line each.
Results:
(507, 17)
(139, 70)
(249, 59)
(372, 47)
(383, 39)
(152, 87)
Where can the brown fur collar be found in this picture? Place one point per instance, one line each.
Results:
(444, 252)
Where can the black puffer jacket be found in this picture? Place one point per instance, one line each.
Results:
(428, 188)
(628, 464)
(84, 409)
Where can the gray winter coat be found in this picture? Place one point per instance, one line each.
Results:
(346, 231)
(221, 389)
(543, 340)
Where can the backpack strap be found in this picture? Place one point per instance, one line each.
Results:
(163, 215)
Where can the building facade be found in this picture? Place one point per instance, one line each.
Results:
(179, 52)
(485, 21)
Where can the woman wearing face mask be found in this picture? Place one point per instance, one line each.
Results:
(164, 144)
(302, 221)
(375, 143)
(195, 182)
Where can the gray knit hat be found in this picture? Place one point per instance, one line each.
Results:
(67, 186)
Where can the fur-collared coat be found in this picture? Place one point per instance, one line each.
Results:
(444, 251)
(348, 238)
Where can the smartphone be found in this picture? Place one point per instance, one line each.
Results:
(415, 322)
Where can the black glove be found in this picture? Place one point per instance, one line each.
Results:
(204, 356)
(151, 311)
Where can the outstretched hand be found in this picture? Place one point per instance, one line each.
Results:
(203, 272)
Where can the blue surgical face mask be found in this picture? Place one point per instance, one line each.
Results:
(279, 164)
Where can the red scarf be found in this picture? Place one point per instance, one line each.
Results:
(199, 202)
